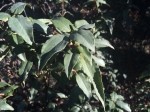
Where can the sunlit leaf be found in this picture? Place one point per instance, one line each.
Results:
(84, 84)
(111, 104)
(52, 46)
(4, 16)
(5, 106)
(98, 87)
(101, 42)
(17, 39)
(87, 27)
(85, 52)
(23, 27)
(18, 8)
(40, 26)
(123, 105)
(80, 23)
(4, 53)
(70, 61)
(62, 24)
(3, 84)
(86, 67)
(84, 37)
(25, 69)
(9, 90)
(61, 95)
(115, 97)
(45, 21)
(22, 56)
(99, 61)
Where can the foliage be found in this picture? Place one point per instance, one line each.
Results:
(57, 51)
(67, 49)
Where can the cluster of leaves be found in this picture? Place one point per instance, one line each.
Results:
(46, 47)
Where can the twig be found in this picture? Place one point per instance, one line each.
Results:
(5, 5)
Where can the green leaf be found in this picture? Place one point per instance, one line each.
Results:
(61, 95)
(40, 26)
(25, 69)
(22, 56)
(17, 39)
(111, 104)
(4, 16)
(84, 84)
(101, 42)
(101, 1)
(45, 21)
(5, 106)
(23, 27)
(84, 37)
(75, 108)
(3, 84)
(9, 90)
(18, 8)
(98, 87)
(86, 67)
(51, 43)
(98, 2)
(99, 61)
(62, 24)
(123, 105)
(80, 23)
(115, 97)
(85, 52)
(52, 46)
(87, 27)
(4, 53)
(60, 1)
(70, 60)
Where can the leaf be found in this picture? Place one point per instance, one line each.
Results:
(18, 8)
(22, 27)
(17, 39)
(102, 1)
(62, 24)
(22, 56)
(60, 1)
(52, 46)
(5, 106)
(87, 27)
(99, 43)
(111, 104)
(123, 105)
(9, 91)
(51, 43)
(84, 37)
(3, 84)
(33, 93)
(98, 87)
(98, 2)
(4, 16)
(40, 26)
(4, 53)
(84, 84)
(25, 69)
(61, 95)
(80, 23)
(70, 60)
(99, 61)
(86, 67)
(115, 97)
(45, 21)
(85, 52)
(75, 108)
